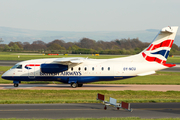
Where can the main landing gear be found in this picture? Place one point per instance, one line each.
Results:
(74, 85)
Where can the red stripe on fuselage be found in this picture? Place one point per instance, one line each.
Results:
(33, 65)
(166, 43)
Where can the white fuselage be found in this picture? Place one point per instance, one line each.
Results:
(90, 70)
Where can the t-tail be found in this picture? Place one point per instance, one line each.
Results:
(159, 49)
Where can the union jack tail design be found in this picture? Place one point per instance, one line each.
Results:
(159, 49)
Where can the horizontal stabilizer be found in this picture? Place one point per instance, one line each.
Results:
(169, 65)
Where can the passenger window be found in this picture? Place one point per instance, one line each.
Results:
(72, 69)
(102, 68)
(92, 68)
(108, 68)
(79, 68)
(85, 68)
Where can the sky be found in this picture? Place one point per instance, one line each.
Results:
(89, 15)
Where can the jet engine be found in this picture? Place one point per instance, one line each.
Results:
(53, 68)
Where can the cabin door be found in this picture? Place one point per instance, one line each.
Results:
(118, 71)
(31, 71)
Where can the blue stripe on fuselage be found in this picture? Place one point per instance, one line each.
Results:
(65, 79)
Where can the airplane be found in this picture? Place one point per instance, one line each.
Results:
(77, 70)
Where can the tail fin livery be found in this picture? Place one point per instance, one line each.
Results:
(159, 49)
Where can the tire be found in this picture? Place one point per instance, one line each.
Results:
(73, 85)
(16, 85)
(80, 85)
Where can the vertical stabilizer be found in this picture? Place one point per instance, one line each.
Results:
(159, 49)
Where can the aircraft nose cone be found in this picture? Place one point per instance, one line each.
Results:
(3, 76)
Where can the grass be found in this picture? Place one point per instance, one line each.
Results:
(5, 68)
(163, 78)
(160, 78)
(14, 56)
(84, 96)
(123, 118)
(40, 56)
(173, 60)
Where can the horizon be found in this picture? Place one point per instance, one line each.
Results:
(82, 31)
(9, 34)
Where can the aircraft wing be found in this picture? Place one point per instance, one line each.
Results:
(70, 60)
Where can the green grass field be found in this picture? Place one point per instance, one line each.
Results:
(160, 78)
(84, 96)
(14, 56)
(172, 78)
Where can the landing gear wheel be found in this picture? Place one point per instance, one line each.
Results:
(73, 85)
(80, 85)
(16, 85)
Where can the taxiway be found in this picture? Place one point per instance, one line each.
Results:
(112, 87)
(142, 110)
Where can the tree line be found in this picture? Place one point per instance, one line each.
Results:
(83, 46)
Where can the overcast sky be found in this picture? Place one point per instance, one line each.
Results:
(89, 15)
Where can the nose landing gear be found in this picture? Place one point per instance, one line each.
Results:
(16, 83)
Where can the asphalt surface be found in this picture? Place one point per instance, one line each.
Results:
(142, 110)
(111, 87)
(8, 62)
(173, 69)
(12, 63)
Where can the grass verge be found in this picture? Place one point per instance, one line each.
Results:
(40, 56)
(14, 56)
(160, 78)
(84, 96)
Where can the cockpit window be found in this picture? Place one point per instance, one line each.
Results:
(17, 67)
